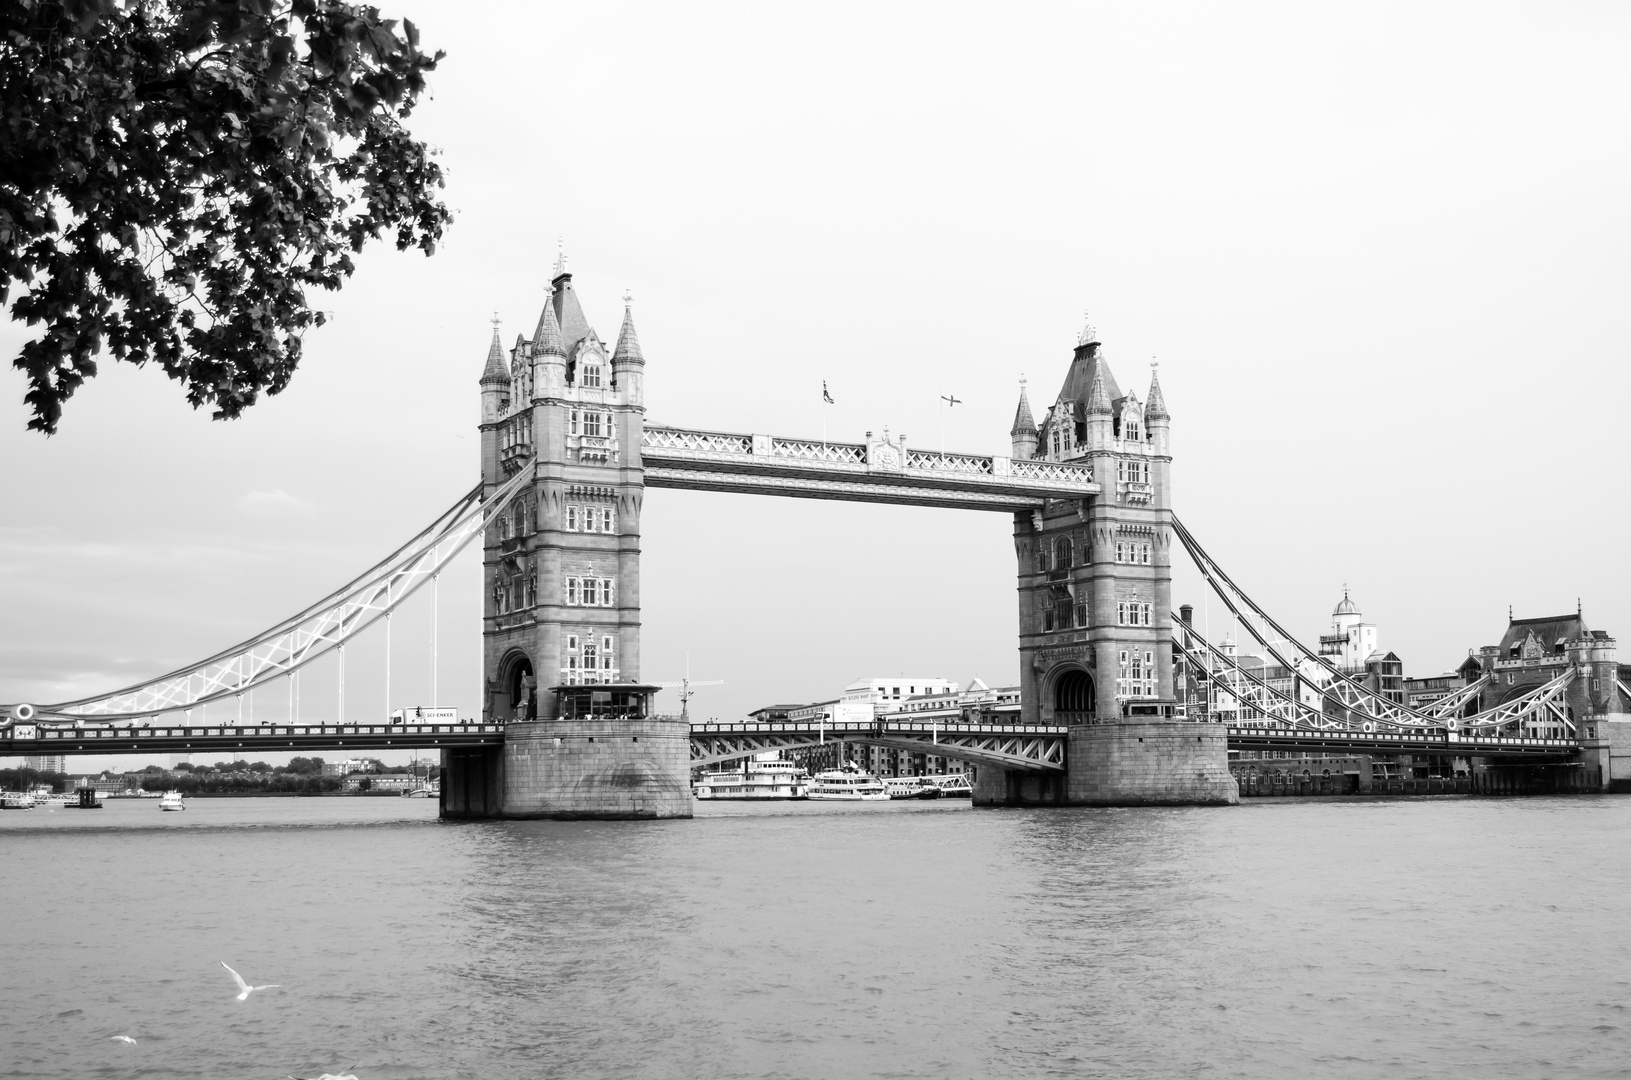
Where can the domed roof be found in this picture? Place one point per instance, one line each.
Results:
(1347, 607)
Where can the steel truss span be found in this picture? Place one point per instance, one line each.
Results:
(1345, 702)
(316, 630)
(1008, 746)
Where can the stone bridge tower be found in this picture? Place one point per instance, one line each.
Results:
(562, 583)
(1095, 600)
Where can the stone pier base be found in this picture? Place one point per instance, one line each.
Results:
(1156, 763)
(994, 786)
(576, 769)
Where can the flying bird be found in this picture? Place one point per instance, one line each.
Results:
(122, 1038)
(245, 987)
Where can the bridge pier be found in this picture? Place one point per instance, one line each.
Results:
(995, 786)
(1149, 763)
(472, 783)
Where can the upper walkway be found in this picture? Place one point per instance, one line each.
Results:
(878, 470)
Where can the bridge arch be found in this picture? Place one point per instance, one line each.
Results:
(1072, 693)
(516, 696)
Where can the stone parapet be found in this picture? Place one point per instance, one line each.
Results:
(598, 768)
(1149, 764)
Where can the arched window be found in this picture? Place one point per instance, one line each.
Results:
(1062, 553)
(591, 375)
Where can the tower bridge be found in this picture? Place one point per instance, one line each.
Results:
(567, 727)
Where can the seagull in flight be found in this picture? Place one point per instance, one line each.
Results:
(245, 987)
(122, 1038)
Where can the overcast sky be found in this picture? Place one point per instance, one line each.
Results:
(1381, 251)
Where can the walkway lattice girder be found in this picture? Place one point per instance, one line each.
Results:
(874, 472)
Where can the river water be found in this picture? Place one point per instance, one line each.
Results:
(1410, 938)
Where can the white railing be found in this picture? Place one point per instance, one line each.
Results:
(808, 450)
(1050, 470)
(713, 442)
(967, 464)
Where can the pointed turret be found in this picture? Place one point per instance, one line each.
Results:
(547, 338)
(628, 342)
(1098, 398)
(1024, 431)
(495, 381)
(497, 370)
(1156, 408)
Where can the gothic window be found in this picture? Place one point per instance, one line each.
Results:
(1136, 674)
(571, 518)
(1132, 613)
(571, 643)
(608, 519)
(532, 590)
(1063, 609)
(591, 660)
(1055, 442)
(1144, 554)
(591, 375)
(1081, 612)
(592, 423)
(1061, 553)
(1131, 430)
(572, 427)
(1047, 620)
(572, 591)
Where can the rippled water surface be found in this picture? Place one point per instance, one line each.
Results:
(1430, 938)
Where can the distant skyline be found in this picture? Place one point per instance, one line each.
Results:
(1381, 253)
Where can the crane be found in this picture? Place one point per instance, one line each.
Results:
(684, 686)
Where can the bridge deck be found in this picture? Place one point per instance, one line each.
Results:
(1248, 737)
(263, 738)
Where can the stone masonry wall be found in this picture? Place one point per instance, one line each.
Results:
(597, 769)
(1138, 764)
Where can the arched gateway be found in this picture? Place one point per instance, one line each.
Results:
(1088, 489)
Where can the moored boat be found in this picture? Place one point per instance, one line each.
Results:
(912, 787)
(762, 777)
(849, 784)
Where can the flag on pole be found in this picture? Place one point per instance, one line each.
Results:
(951, 399)
(825, 397)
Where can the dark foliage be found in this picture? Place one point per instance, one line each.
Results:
(177, 176)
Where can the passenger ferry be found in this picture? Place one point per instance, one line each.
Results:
(848, 783)
(912, 787)
(172, 801)
(764, 777)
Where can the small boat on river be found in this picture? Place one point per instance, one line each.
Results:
(912, 787)
(849, 784)
(172, 801)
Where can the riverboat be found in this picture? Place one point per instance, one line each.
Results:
(172, 801)
(764, 777)
(16, 800)
(912, 787)
(423, 791)
(848, 783)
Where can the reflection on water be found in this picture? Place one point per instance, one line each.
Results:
(1412, 938)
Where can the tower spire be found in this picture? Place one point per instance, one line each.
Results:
(628, 342)
(1156, 407)
(1098, 398)
(547, 338)
(1024, 423)
(496, 370)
